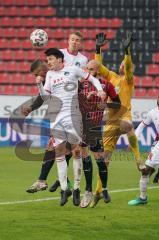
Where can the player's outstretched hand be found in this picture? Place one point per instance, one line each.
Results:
(39, 79)
(101, 39)
(127, 41)
(26, 110)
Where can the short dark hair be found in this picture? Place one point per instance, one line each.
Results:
(55, 52)
(36, 64)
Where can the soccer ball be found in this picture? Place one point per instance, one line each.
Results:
(39, 38)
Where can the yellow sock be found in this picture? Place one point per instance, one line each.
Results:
(99, 186)
(134, 146)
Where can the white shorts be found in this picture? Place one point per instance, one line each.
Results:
(67, 129)
(153, 158)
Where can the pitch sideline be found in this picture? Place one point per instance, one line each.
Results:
(56, 198)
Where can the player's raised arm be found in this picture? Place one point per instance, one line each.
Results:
(128, 65)
(44, 90)
(143, 124)
(104, 71)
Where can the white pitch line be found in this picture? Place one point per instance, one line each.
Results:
(56, 198)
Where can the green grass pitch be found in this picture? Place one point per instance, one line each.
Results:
(46, 220)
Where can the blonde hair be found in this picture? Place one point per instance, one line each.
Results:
(77, 33)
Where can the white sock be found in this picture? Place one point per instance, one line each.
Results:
(77, 170)
(62, 172)
(143, 186)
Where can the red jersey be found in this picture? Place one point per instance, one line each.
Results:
(93, 103)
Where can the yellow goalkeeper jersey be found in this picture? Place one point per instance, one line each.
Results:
(124, 85)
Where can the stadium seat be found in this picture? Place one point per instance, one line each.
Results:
(6, 55)
(103, 23)
(19, 55)
(115, 23)
(53, 22)
(79, 23)
(80, 3)
(137, 81)
(92, 3)
(85, 13)
(153, 4)
(31, 3)
(29, 79)
(22, 33)
(153, 93)
(33, 90)
(14, 43)
(4, 78)
(24, 66)
(22, 90)
(59, 33)
(17, 22)
(37, 11)
(156, 58)
(96, 12)
(29, 22)
(31, 55)
(19, 3)
(146, 81)
(65, 22)
(24, 11)
(16, 78)
(71, 12)
(139, 69)
(26, 44)
(91, 22)
(55, 3)
(152, 69)
(48, 12)
(109, 12)
(41, 22)
(8, 3)
(43, 3)
(9, 32)
(146, 57)
(9, 90)
(12, 11)
(156, 82)
(6, 22)
(2, 11)
(89, 45)
(140, 92)
(111, 33)
(11, 66)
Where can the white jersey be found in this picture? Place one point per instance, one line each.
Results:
(153, 117)
(63, 85)
(78, 60)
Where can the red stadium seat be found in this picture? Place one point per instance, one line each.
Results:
(19, 55)
(9, 90)
(29, 79)
(156, 83)
(15, 44)
(153, 93)
(137, 81)
(9, 32)
(1, 66)
(33, 90)
(2, 11)
(8, 3)
(17, 22)
(146, 81)
(24, 67)
(24, 12)
(79, 23)
(59, 33)
(89, 45)
(115, 23)
(6, 55)
(156, 58)
(153, 69)
(53, 22)
(19, 2)
(11, 66)
(111, 34)
(65, 22)
(103, 23)
(37, 11)
(31, 55)
(48, 12)
(140, 92)
(17, 78)
(6, 22)
(22, 33)
(41, 22)
(12, 11)
(91, 22)
(29, 22)
(22, 90)
(26, 44)
(4, 78)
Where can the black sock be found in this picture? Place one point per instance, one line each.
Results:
(68, 157)
(47, 164)
(102, 168)
(157, 174)
(88, 170)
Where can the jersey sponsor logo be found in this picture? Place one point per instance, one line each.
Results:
(77, 64)
(66, 73)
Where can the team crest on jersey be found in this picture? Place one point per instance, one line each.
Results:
(66, 73)
(78, 64)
